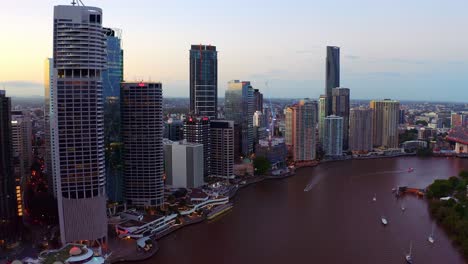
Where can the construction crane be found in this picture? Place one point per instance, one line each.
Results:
(77, 2)
(271, 125)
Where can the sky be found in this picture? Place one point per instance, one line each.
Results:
(399, 49)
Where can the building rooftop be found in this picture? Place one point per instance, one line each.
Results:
(458, 134)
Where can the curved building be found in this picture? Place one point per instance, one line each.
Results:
(77, 122)
(142, 135)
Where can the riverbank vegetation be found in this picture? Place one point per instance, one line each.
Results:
(451, 214)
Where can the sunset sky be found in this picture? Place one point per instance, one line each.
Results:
(389, 49)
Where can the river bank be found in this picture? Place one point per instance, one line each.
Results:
(340, 191)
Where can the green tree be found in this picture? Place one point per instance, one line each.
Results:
(439, 188)
(463, 174)
(261, 165)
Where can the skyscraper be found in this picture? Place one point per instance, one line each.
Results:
(259, 126)
(77, 122)
(300, 129)
(7, 183)
(386, 119)
(222, 148)
(258, 99)
(48, 89)
(21, 131)
(332, 74)
(112, 76)
(360, 130)
(142, 137)
(333, 139)
(340, 107)
(204, 80)
(322, 113)
(197, 130)
(239, 107)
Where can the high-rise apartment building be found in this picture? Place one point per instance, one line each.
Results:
(204, 80)
(360, 130)
(402, 117)
(184, 164)
(340, 107)
(197, 130)
(21, 126)
(21, 131)
(322, 113)
(8, 215)
(258, 99)
(77, 122)
(333, 139)
(259, 126)
(112, 76)
(142, 137)
(332, 75)
(289, 126)
(48, 89)
(300, 130)
(386, 119)
(222, 148)
(239, 107)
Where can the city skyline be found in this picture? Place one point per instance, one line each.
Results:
(401, 62)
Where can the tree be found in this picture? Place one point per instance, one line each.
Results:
(463, 174)
(440, 188)
(261, 165)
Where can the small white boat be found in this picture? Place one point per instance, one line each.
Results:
(408, 257)
(374, 198)
(384, 220)
(403, 208)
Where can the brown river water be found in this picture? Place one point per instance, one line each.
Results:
(276, 221)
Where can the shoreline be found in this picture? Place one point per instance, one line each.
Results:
(258, 179)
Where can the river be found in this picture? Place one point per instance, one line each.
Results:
(275, 221)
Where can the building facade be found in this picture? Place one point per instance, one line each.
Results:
(197, 130)
(78, 124)
(258, 99)
(174, 129)
(322, 113)
(222, 148)
(239, 107)
(274, 150)
(184, 164)
(21, 133)
(48, 88)
(8, 214)
(332, 74)
(360, 130)
(204, 80)
(333, 140)
(340, 107)
(300, 130)
(112, 76)
(386, 120)
(142, 137)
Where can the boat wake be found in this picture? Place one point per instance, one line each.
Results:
(316, 180)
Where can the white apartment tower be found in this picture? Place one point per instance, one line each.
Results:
(77, 123)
